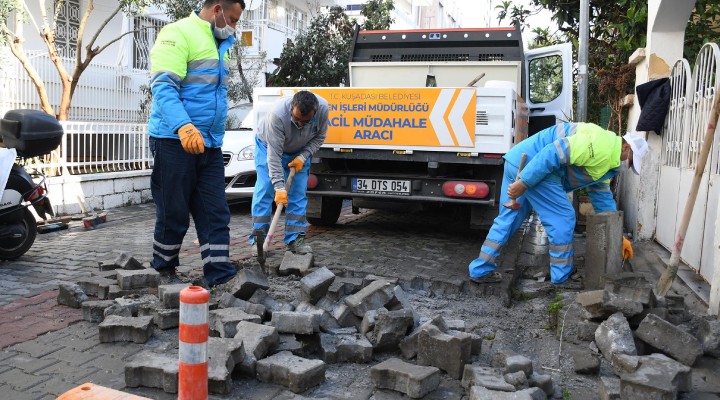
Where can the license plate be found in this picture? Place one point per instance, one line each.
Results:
(381, 186)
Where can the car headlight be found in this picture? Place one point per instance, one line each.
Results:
(247, 153)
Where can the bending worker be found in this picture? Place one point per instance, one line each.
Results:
(560, 159)
(287, 138)
(190, 69)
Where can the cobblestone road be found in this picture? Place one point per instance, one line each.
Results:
(428, 249)
(47, 349)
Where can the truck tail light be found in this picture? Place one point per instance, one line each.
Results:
(312, 181)
(476, 190)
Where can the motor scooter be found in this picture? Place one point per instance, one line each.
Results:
(24, 134)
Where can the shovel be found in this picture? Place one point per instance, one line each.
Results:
(264, 243)
(668, 276)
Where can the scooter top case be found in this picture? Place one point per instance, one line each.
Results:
(31, 133)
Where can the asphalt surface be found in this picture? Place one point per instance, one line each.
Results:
(47, 349)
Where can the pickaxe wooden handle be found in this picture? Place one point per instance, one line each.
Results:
(278, 211)
(512, 204)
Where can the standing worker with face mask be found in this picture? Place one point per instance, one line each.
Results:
(560, 159)
(190, 71)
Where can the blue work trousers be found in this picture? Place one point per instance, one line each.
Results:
(264, 195)
(184, 184)
(550, 202)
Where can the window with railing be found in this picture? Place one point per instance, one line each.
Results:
(251, 15)
(274, 12)
(67, 26)
(147, 30)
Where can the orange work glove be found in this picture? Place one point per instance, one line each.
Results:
(297, 163)
(281, 197)
(627, 250)
(191, 139)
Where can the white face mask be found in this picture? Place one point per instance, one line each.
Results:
(223, 33)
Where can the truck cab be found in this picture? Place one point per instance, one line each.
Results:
(428, 116)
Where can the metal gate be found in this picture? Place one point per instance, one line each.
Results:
(692, 99)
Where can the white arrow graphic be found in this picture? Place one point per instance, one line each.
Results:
(456, 117)
(437, 117)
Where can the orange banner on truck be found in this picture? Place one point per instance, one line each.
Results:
(433, 117)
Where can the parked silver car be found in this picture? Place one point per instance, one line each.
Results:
(238, 156)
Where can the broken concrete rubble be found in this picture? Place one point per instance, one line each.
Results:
(369, 308)
(669, 339)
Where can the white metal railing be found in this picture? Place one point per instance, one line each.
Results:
(692, 96)
(706, 82)
(96, 147)
(678, 117)
(105, 93)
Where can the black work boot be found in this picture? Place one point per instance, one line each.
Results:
(298, 246)
(168, 276)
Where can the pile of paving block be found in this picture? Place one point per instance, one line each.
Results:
(336, 320)
(656, 348)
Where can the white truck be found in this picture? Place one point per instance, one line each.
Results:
(413, 129)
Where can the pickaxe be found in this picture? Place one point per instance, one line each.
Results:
(512, 204)
(263, 243)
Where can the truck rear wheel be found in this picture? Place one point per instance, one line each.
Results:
(329, 211)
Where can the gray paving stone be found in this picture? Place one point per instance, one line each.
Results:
(302, 323)
(670, 339)
(412, 380)
(35, 349)
(447, 352)
(246, 282)
(125, 329)
(296, 264)
(71, 295)
(153, 370)
(73, 357)
(315, 285)
(129, 279)
(295, 373)
(13, 394)
(27, 364)
(21, 381)
(224, 321)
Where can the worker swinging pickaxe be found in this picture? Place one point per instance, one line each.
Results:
(513, 204)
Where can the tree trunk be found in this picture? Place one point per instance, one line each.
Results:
(49, 39)
(19, 53)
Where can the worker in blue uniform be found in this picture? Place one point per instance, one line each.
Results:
(287, 138)
(560, 159)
